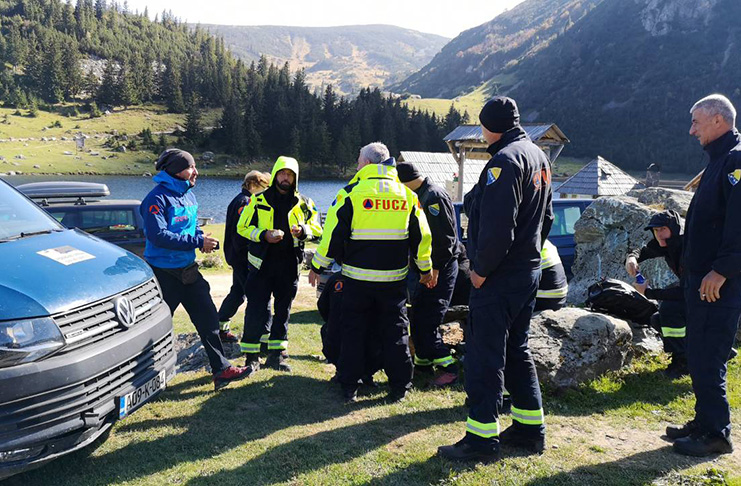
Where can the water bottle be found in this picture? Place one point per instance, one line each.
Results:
(640, 279)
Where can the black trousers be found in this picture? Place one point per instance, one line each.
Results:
(379, 309)
(497, 355)
(549, 304)
(427, 313)
(279, 280)
(196, 299)
(671, 323)
(236, 294)
(711, 330)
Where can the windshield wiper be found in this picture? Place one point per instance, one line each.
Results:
(34, 233)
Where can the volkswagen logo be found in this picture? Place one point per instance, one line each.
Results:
(125, 312)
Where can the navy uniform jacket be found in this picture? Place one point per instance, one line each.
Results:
(509, 209)
(236, 245)
(712, 236)
(438, 208)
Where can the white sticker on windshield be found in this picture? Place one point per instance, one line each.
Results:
(66, 255)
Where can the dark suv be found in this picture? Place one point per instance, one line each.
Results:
(81, 205)
(566, 212)
(85, 336)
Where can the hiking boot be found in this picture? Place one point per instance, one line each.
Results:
(368, 382)
(516, 437)
(230, 374)
(679, 431)
(396, 395)
(445, 378)
(349, 394)
(677, 368)
(252, 361)
(278, 360)
(466, 450)
(228, 337)
(701, 445)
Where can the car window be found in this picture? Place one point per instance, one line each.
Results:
(564, 218)
(20, 216)
(97, 220)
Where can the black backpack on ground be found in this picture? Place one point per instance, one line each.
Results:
(621, 300)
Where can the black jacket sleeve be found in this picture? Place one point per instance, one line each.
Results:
(498, 210)
(671, 293)
(548, 217)
(443, 229)
(651, 250)
(728, 259)
(324, 303)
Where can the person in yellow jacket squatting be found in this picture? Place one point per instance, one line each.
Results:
(372, 227)
(277, 222)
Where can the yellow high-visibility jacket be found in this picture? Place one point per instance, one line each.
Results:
(373, 226)
(257, 217)
(553, 283)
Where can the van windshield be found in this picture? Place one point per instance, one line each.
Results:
(19, 217)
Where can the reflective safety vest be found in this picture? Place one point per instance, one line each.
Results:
(553, 283)
(373, 225)
(257, 217)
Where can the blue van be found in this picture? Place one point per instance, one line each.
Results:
(85, 336)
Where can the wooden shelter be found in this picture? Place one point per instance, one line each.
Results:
(442, 169)
(692, 185)
(599, 178)
(466, 144)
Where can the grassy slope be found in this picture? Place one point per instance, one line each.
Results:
(291, 429)
(50, 156)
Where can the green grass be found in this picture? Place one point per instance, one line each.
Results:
(292, 429)
(50, 155)
(471, 102)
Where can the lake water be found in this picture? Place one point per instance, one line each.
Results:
(213, 193)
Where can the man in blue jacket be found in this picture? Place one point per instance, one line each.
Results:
(170, 215)
(510, 214)
(712, 260)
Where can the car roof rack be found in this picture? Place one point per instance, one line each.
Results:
(64, 190)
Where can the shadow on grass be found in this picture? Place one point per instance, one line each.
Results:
(645, 387)
(641, 468)
(287, 461)
(225, 420)
(306, 317)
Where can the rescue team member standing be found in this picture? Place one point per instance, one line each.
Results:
(170, 215)
(554, 287)
(431, 301)
(671, 320)
(712, 259)
(510, 214)
(235, 252)
(372, 226)
(277, 222)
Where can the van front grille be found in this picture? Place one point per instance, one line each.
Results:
(93, 323)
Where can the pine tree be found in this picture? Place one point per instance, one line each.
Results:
(193, 128)
(108, 91)
(172, 89)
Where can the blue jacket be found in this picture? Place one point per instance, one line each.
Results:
(170, 213)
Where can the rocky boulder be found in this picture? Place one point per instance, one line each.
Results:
(192, 357)
(573, 346)
(611, 227)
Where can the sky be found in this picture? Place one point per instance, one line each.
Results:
(446, 18)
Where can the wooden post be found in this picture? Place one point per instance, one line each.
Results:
(461, 170)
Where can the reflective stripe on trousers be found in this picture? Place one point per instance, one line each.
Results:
(528, 417)
(486, 431)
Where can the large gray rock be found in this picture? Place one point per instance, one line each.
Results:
(192, 357)
(573, 345)
(660, 198)
(607, 230)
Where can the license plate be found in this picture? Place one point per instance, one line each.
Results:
(133, 400)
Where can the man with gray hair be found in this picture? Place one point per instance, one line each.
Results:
(712, 260)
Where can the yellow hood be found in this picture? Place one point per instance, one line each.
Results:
(284, 162)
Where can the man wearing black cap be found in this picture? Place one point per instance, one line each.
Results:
(510, 214)
(170, 215)
(670, 321)
(431, 301)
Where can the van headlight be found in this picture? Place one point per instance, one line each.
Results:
(28, 340)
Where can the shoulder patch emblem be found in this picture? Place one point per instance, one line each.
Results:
(492, 175)
(154, 209)
(434, 209)
(338, 286)
(734, 177)
(239, 211)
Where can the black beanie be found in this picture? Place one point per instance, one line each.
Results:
(174, 161)
(500, 114)
(407, 172)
